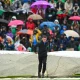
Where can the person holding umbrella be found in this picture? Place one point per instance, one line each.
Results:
(30, 24)
(34, 39)
(42, 55)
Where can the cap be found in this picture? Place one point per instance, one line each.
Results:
(64, 26)
(56, 21)
(14, 17)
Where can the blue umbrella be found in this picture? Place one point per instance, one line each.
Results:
(50, 25)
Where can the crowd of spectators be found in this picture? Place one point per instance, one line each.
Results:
(59, 13)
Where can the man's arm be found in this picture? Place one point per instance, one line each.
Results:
(35, 50)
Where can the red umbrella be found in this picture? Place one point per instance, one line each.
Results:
(25, 31)
(16, 23)
(75, 18)
(61, 16)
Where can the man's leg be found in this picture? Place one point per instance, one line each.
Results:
(44, 65)
(39, 66)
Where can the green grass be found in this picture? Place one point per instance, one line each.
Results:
(22, 76)
(30, 76)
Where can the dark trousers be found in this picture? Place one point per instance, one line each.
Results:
(42, 64)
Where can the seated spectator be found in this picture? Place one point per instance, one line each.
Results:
(75, 26)
(76, 8)
(9, 33)
(1, 44)
(1, 7)
(9, 45)
(64, 29)
(71, 43)
(20, 47)
(76, 2)
(26, 6)
(68, 6)
(61, 47)
(41, 11)
(45, 31)
(60, 5)
(53, 4)
(25, 42)
(51, 45)
(50, 15)
(30, 24)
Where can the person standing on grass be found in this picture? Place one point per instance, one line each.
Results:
(42, 48)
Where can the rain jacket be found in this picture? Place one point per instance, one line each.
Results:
(37, 36)
(30, 25)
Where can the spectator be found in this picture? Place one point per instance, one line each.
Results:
(34, 39)
(30, 24)
(60, 5)
(9, 45)
(64, 29)
(51, 45)
(53, 3)
(1, 7)
(61, 48)
(68, 6)
(26, 6)
(76, 8)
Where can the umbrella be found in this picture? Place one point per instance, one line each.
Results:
(59, 12)
(75, 18)
(41, 3)
(25, 31)
(50, 25)
(35, 17)
(10, 34)
(71, 33)
(1, 11)
(3, 21)
(16, 23)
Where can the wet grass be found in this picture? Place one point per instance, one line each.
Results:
(30, 76)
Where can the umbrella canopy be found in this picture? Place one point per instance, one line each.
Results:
(75, 18)
(1, 11)
(41, 3)
(59, 12)
(16, 23)
(25, 31)
(4, 21)
(71, 33)
(50, 25)
(35, 17)
(10, 34)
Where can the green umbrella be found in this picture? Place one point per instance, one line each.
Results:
(1, 12)
(79, 47)
(55, 1)
(63, 1)
(59, 12)
(11, 1)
